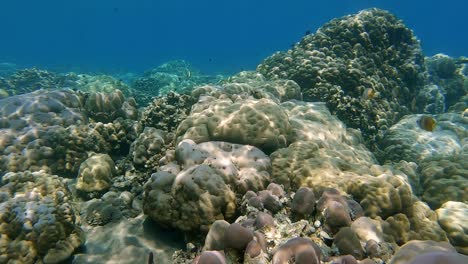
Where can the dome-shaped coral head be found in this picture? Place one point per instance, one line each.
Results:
(427, 123)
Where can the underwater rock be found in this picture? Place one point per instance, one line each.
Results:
(347, 56)
(97, 212)
(264, 199)
(38, 219)
(334, 209)
(128, 241)
(211, 257)
(439, 257)
(206, 182)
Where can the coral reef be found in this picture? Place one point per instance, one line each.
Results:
(452, 218)
(174, 76)
(106, 107)
(443, 179)
(417, 248)
(440, 155)
(95, 174)
(38, 220)
(243, 170)
(406, 140)
(260, 123)
(200, 182)
(148, 144)
(49, 130)
(450, 76)
(32, 79)
(366, 67)
(166, 112)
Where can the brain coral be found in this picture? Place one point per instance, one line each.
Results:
(367, 67)
(37, 219)
(199, 185)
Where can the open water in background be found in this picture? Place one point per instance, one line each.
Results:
(215, 36)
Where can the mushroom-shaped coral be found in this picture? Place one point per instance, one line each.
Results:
(303, 202)
(301, 249)
(440, 257)
(237, 237)
(334, 209)
(414, 248)
(210, 257)
(348, 243)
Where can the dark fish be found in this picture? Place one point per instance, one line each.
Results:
(307, 33)
(210, 60)
(427, 123)
(151, 258)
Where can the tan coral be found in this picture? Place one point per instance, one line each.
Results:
(261, 123)
(38, 219)
(96, 173)
(201, 184)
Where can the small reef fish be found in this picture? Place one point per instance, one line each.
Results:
(427, 123)
(369, 94)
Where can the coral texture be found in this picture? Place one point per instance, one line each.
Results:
(200, 182)
(367, 67)
(38, 221)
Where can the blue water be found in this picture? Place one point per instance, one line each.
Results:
(215, 36)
